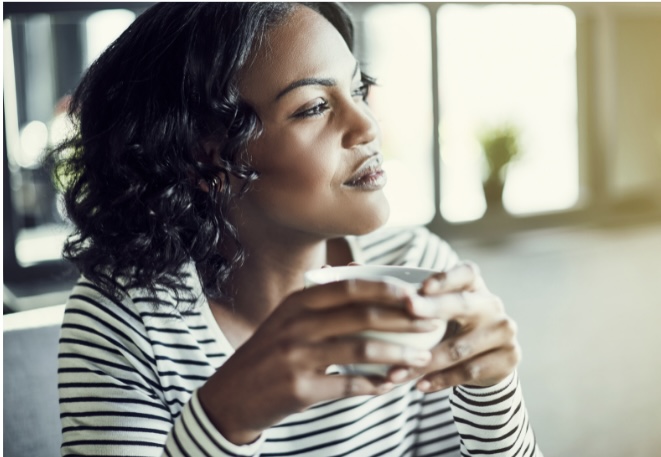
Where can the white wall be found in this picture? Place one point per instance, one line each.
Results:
(619, 69)
(637, 164)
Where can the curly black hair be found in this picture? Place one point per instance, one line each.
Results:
(131, 173)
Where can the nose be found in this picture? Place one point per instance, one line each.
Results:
(361, 126)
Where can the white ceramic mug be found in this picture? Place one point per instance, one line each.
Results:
(406, 276)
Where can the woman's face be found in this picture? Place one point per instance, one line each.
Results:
(318, 158)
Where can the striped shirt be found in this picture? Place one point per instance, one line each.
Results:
(129, 374)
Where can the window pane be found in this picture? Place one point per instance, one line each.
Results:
(44, 57)
(397, 51)
(104, 27)
(508, 64)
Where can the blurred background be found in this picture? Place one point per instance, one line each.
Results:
(527, 135)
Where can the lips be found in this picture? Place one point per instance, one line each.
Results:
(370, 175)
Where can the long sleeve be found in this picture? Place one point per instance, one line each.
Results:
(112, 395)
(493, 420)
(488, 421)
(194, 435)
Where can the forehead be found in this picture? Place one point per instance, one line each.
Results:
(303, 46)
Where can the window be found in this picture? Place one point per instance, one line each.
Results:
(508, 65)
(396, 49)
(496, 65)
(44, 57)
(46, 49)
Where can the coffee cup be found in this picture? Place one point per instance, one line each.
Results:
(407, 277)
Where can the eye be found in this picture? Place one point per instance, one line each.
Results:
(362, 92)
(364, 89)
(317, 110)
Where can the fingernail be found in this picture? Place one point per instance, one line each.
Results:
(385, 387)
(400, 291)
(424, 385)
(422, 306)
(399, 375)
(427, 324)
(416, 356)
(432, 286)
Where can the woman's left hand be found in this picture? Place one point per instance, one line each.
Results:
(480, 346)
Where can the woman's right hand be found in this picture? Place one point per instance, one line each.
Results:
(281, 369)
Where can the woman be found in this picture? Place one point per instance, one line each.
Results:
(223, 149)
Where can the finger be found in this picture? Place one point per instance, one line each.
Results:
(452, 306)
(332, 387)
(308, 389)
(346, 320)
(485, 370)
(354, 264)
(465, 346)
(461, 277)
(351, 291)
(351, 350)
(461, 347)
(400, 374)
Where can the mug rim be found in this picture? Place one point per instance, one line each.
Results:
(381, 275)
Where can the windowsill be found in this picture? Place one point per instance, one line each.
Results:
(36, 294)
(46, 317)
(495, 226)
(41, 244)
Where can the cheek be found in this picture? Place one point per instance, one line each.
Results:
(302, 162)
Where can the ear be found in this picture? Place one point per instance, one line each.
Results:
(202, 184)
(209, 154)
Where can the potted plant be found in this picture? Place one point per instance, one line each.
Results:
(500, 146)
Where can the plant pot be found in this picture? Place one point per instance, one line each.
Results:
(493, 194)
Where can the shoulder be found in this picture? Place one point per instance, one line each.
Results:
(124, 313)
(135, 301)
(410, 246)
(90, 303)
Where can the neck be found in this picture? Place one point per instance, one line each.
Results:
(272, 271)
(269, 275)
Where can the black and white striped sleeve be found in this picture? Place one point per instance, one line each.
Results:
(493, 420)
(490, 421)
(194, 435)
(111, 399)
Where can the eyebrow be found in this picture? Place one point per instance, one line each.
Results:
(326, 82)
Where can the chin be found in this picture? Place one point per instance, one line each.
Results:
(373, 218)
